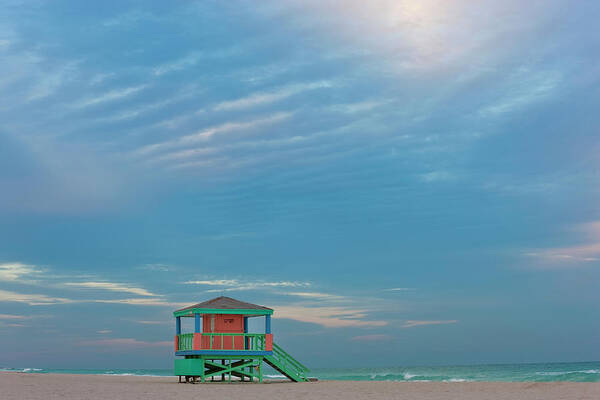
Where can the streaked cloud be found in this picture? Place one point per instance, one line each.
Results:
(415, 323)
(18, 272)
(184, 62)
(208, 133)
(569, 256)
(113, 287)
(32, 299)
(400, 289)
(157, 267)
(51, 81)
(232, 285)
(215, 282)
(358, 107)
(11, 325)
(153, 302)
(128, 19)
(13, 317)
(314, 295)
(372, 338)
(257, 99)
(329, 317)
(143, 322)
(34, 276)
(438, 176)
(526, 87)
(125, 343)
(194, 57)
(112, 95)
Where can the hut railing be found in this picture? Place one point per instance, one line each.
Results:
(186, 341)
(224, 341)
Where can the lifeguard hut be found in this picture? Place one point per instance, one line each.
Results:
(221, 345)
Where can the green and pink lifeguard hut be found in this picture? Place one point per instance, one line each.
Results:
(222, 346)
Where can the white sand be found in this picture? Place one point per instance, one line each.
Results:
(20, 386)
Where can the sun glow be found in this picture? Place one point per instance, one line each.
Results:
(411, 34)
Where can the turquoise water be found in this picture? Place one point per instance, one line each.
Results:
(573, 372)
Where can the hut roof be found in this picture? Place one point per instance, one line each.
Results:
(224, 303)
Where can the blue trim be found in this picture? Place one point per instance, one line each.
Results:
(197, 323)
(267, 324)
(247, 339)
(223, 353)
(178, 325)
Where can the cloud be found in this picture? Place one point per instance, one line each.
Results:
(357, 107)
(188, 60)
(569, 256)
(128, 19)
(112, 95)
(256, 99)
(113, 287)
(31, 299)
(329, 317)
(208, 133)
(400, 289)
(231, 285)
(18, 272)
(314, 295)
(414, 323)
(141, 302)
(146, 109)
(125, 342)
(263, 150)
(157, 267)
(13, 317)
(102, 77)
(372, 338)
(153, 322)
(11, 325)
(215, 282)
(437, 176)
(50, 81)
(104, 331)
(525, 88)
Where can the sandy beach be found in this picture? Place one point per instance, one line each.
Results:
(20, 386)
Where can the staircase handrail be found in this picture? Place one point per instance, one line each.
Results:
(289, 358)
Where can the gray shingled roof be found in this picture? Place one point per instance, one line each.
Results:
(225, 303)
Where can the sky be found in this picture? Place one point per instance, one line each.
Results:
(404, 182)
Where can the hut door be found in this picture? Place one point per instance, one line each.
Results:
(208, 326)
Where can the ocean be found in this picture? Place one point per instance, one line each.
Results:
(571, 372)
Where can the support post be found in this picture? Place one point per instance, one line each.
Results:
(197, 323)
(203, 370)
(267, 324)
(246, 331)
(178, 325)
